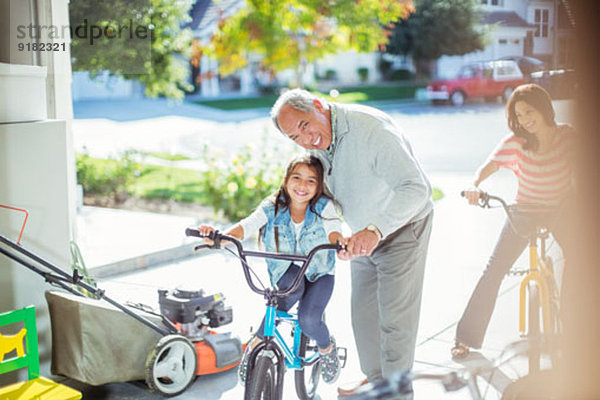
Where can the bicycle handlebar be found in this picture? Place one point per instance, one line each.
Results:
(218, 237)
(484, 200)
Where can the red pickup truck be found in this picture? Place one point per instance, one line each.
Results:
(487, 79)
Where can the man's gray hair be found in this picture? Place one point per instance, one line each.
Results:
(300, 99)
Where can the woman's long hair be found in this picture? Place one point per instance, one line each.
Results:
(537, 98)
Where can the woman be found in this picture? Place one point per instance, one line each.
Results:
(538, 152)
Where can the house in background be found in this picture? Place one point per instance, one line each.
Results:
(104, 86)
(204, 76)
(341, 68)
(205, 15)
(541, 29)
(538, 28)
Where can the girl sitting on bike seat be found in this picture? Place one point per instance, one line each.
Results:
(538, 152)
(298, 217)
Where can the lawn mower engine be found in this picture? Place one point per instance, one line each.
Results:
(195, 314)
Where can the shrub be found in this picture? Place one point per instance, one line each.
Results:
(237, 187)
(363, 73)
(106, 177)
(437, 194)
(401, 75)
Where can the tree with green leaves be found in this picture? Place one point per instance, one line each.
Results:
(293, 33)
(437, 28)
(134, 39)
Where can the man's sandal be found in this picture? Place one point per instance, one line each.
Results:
(459, 350)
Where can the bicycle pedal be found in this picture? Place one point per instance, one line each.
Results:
(342, 356)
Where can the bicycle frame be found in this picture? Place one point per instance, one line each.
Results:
(292, 361)
(273, 345)
(538, 271)
(271, 333)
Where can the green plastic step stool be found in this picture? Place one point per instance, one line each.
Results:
(27, 356)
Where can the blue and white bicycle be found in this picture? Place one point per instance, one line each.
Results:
(269, 359)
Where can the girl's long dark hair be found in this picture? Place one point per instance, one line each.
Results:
(282, 197)
(537, 98)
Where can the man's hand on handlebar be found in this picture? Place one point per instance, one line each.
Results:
(336, 237)
(362, 243)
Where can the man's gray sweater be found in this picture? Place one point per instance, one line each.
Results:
(372, 171)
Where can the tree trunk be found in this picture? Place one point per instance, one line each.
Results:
(300, 69)
(426, 69)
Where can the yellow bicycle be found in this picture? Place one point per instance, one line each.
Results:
(538, 290)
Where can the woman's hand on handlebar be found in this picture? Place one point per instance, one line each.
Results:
(472, 194)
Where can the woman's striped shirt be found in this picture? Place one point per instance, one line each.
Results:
(544, 178)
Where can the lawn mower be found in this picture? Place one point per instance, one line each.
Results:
(86, 335)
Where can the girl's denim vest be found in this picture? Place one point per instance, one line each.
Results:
(312, 234)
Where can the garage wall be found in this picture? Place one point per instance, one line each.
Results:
(36, 160)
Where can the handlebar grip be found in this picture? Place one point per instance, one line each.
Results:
(192, 232)
(482, 193)
(195, 233)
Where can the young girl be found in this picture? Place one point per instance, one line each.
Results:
(298, 217)
(538, 153)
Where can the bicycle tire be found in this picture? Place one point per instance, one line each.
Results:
(534, 334)
(306, 390)
(262, 380)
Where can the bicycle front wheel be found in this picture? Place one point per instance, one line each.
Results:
(262, 380)
(534, 335)
(307, 378)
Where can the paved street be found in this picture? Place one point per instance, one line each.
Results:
(445, 139)
(450, 143)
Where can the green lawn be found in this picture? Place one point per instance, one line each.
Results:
(156, 182)
(106, 176)
(241, 103)
(346, 95)
(167, 156)
(149, 181)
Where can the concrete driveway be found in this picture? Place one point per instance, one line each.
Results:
(451, 143)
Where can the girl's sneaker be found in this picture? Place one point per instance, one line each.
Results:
(330, 364)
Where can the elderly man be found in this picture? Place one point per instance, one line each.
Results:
(385, 199)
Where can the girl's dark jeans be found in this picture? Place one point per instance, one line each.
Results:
(313, 297)
(476, 317)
